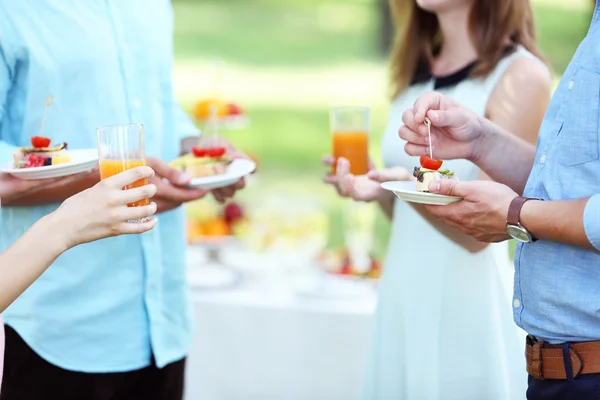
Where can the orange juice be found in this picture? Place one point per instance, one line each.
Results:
(109, 168)
(354, 146)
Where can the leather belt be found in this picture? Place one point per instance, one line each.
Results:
(546, 361)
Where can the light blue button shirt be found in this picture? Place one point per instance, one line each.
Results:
(105, 306)
(557, 286)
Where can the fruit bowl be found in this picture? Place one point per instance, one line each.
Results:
(338, 262)
(227, 115)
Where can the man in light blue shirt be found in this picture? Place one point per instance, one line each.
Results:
(554, 214)
(110, 319)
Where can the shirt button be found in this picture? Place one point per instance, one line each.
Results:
(543, 158)
(150, 288)
(124, 46)
(571, 84)
(516, 303)
(136, 104)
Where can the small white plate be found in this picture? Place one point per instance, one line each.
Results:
(239, 168)
(81, 161)
(407, 191)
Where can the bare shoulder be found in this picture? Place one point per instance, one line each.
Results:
(524, 80)
(519, 100)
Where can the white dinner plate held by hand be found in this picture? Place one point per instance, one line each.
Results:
(407, 191)
(238, 169)
(81, 161)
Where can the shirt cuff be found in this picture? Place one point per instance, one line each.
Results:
(591, 220)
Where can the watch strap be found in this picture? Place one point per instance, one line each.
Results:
(514, 211)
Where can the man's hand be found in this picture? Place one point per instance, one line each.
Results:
(171, 186)
(455, 130)
(221, 194)
(12, 188)
(483, 211)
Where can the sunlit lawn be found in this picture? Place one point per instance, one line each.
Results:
(308, 34)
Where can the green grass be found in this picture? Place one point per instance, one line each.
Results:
(305, 34)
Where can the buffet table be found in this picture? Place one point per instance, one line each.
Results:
(275, 333)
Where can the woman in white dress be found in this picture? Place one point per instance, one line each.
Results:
(443, 327)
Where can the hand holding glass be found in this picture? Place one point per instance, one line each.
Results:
(120, 148)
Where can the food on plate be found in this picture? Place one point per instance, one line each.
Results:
(430, 171)
(40, 154)
(204, 161)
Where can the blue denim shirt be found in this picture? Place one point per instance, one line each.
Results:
(557, 286)
(105, 306)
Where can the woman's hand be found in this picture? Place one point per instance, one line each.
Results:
(101, 211)
(364, 187)
(12, 188)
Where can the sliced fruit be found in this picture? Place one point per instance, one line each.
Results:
(234, 109)
(40, 142)
(430, 163)
(216, 151)
(199, 151)
(35, 161)
(56, 160)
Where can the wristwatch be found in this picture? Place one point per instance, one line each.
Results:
(513, 220)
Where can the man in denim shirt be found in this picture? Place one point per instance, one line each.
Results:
(555, 216)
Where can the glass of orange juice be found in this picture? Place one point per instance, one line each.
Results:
(350, 128)
(121, 147)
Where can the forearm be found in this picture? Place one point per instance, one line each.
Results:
(20, 266)
(466, 242)
(54, 195)
(386, 203)
(506, 158)
(567, 223)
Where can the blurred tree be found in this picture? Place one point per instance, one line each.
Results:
(386, 27)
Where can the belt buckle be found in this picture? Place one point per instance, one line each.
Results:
(536, 358)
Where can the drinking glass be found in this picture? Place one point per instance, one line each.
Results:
(359, 222)
(350, 128)
(121, 147)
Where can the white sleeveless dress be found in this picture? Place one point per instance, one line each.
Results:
(443, 329)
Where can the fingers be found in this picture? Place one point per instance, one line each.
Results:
(133, 213)
(389, 174)
(173, 175)
(175, 194)
(449, 187)
(329, 160)
(130, 228)
(416, 150)
(429, 101)
(412, 136)
(128, 177)
(136, 194)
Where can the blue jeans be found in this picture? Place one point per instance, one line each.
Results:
(585, 387)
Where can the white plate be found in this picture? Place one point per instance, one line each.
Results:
(407, 191)
(81, 161)
(237, 169)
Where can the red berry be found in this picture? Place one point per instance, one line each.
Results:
(39, 142)
(35, 161)
(233, 212)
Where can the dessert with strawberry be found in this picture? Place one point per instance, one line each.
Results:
(204, 161)
(430, 171)
(41, 154)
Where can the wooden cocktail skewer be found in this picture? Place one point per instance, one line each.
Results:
(428, 123)
(49, 102)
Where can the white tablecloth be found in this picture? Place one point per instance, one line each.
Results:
(261, 340)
